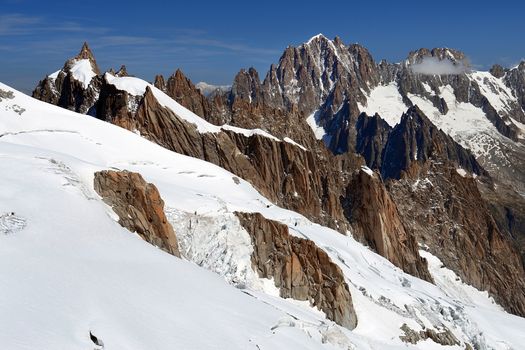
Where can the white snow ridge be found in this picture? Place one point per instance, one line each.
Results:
(73, 278)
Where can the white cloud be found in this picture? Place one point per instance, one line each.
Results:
(434, 66)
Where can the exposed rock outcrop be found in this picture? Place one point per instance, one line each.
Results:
(444, 208)
(416, 139)
(299, 268)
(139, 207)
(371, 138)
(376, 222)
(445, 337)
(6, 94)
(182, 90)
(515, 79)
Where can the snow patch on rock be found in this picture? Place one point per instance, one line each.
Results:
(318, 130)
(387, 102)
(82, 71)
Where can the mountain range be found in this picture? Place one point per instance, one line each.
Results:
(344, 203)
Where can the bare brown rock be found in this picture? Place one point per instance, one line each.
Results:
(182, 90)
(376, 222)
(299, 268)
(160, 83)
(122, 72)
(139, 207)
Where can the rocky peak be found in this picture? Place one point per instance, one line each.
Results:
(415, 140)
(86, 54)
(182, 90)
(160, 83)
(442, 53)
(246, 86)
(515, 78)
(307, 74)
(497, 71)
(318, 37)
(76, 86)
(337, 41)
(122, 72)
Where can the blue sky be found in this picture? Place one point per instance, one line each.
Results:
(212, 40)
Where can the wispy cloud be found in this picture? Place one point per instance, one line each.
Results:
(434, 66)
(16, 24)
(234, 47)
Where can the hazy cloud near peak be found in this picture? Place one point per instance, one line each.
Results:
(434, 66)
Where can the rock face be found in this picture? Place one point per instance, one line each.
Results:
(299, 268)
(416, 139)
(376, 222)
(371, 137)
(139, 207)
(515, 79)
(447, 213)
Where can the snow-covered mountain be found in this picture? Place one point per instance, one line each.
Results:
(208, 89)
(70, 270)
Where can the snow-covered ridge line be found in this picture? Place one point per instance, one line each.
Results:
(315, 37)
(137, 87)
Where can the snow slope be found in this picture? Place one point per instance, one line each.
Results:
(68, 268)
(387, 101)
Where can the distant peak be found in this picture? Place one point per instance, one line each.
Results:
(86, 54)
(178, 74)
(520, 65)
(317, 37)
(440, 53)
(122, 72)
